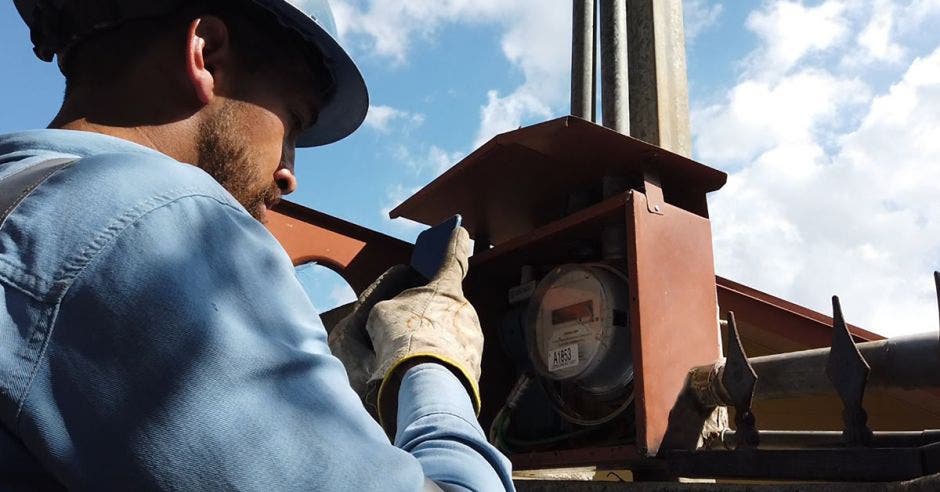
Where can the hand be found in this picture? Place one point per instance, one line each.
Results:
(349, 340)
(431, 323)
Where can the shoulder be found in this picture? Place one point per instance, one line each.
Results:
(125, 179)
(78, 212)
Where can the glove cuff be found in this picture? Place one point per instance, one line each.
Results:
(391, 383)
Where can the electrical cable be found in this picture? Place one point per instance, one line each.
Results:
(499, 429)
(560, 406)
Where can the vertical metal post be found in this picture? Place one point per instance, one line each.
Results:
(659, 93)
(613, 20)
(582, 60)
(594, 67)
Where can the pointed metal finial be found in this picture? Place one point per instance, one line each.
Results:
(848, 372)
(739, 380)
(936, 281)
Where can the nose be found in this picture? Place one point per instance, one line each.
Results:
(285, 179)
(284, 176)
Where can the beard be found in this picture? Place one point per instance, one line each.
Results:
(224, 156)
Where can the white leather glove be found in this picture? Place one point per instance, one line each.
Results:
(434, 323)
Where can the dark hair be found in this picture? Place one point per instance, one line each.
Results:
(260, 40)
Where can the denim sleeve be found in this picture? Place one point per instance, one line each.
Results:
(175, 363)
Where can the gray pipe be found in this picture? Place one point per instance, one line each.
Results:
(582, 60)
(613, 20)
(903, 362)
(907, 362)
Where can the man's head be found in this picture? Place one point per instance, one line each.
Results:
(222, 84)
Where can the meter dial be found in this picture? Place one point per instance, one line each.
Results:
(577, 328)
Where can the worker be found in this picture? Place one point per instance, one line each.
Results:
(151, 327)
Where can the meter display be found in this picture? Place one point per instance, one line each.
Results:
(577, 329)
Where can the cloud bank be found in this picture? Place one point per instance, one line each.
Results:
(834, 181)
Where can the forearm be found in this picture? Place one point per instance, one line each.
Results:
(437, 425)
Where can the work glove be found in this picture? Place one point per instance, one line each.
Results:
(430, 323)
(349, 341)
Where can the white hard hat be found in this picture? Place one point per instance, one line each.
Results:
(56, 24)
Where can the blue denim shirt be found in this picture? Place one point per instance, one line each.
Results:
(149, 334)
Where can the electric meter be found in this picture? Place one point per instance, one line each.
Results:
(577, 329)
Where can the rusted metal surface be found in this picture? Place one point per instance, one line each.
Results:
(358, 254)
(805, 327)
(674, 314)
(739, 379)
(519, 180)
(848, 372)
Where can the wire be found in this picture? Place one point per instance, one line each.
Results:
(499, 429)
(558, 403)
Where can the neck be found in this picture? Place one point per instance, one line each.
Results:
(161, 130)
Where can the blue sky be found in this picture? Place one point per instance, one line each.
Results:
(826, 114)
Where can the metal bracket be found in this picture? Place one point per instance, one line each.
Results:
(848, 371)
(653, 188)
(739, 380)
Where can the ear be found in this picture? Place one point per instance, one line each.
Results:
(208, 53)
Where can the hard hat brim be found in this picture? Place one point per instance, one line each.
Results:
(346, 109)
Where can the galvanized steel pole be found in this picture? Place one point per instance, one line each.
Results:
(582, 60)
(613, 20)
(659, 93)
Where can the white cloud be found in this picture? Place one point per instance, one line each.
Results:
(395, 195)
(388, 28)
(382, 118)
(877, 37)
(699, 16)
(760, 114)
(428, 162)
(833, 184)
(536, 40)
(791, 31)
(501, 114)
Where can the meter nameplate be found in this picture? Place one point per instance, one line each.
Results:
(563, 358)
(569, 335)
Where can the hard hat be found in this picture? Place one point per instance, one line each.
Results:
(54, 27)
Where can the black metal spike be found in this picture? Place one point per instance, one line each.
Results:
(936, 281)
(739, 380)
(848, 371)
